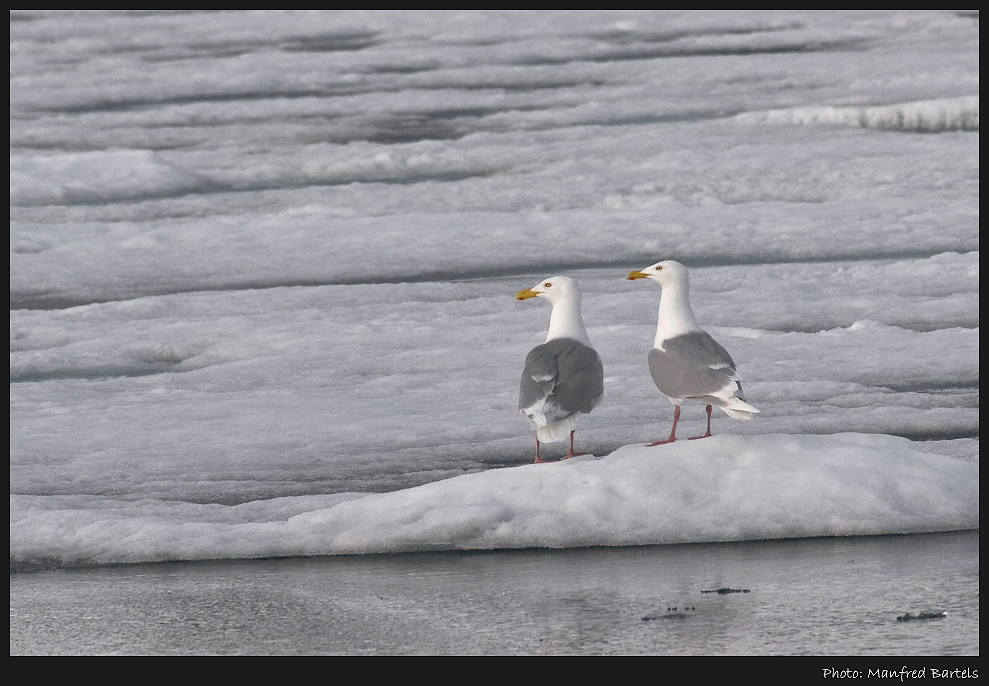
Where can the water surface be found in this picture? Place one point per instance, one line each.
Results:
(830, 596)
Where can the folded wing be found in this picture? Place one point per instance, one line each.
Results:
(561, 378)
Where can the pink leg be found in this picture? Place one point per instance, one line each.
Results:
(708, 425)
(673, 431)
(537, 460)
(571, 453)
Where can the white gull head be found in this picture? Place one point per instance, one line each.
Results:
(564, 294)
(668, 274)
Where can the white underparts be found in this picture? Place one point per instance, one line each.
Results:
(675, 316)
(557, 431)
(566, 322)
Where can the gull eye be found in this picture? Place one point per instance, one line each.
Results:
(547, 284)
(658, 269)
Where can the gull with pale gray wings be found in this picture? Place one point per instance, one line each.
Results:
(563, 378)
(686, 363)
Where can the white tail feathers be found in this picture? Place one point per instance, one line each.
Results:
(557, 431)
(738, 409)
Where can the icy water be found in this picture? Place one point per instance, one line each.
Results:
(834, 596)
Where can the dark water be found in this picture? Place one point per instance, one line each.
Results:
(837, 596)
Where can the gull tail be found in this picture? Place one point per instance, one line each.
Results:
(557, 431)
(737, 408)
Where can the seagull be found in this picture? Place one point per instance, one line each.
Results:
(563, 378)
(686, 363)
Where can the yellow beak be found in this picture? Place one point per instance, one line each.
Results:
(526, 294)
(636, 274)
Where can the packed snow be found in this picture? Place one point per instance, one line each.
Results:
(263, 267)
(730, 488)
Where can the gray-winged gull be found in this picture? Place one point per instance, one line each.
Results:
(563, 378)
(686, 363)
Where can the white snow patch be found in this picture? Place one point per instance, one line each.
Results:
(725, 488)
(67, 178)
(925, 116)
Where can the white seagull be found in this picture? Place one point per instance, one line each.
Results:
(686, 363)
(563, 378)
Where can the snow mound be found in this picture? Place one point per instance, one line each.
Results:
(724, 488)
(86, 177)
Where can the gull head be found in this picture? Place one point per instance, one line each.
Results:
(665, 273)
(554, 289)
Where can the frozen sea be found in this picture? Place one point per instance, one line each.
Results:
(264, 347)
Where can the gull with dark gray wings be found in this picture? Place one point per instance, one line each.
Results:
(563, 378)
(685, 362)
